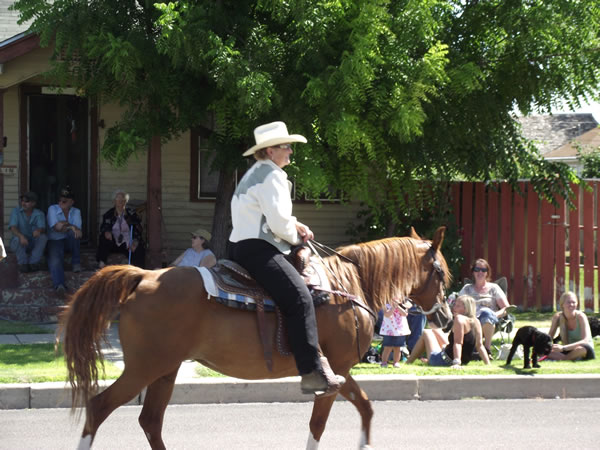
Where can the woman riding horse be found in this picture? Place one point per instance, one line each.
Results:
(263, 232)
(166, 317)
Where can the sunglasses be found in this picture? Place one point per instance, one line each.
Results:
(284, 146)
(479, 269)
(197, 237)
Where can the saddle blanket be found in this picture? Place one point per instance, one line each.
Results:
(214, 291)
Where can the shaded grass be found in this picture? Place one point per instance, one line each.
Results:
(537, 319)
(9, 327)
(36, 363)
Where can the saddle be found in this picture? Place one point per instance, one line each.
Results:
(231, 285)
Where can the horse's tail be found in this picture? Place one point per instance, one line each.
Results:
(84, 323)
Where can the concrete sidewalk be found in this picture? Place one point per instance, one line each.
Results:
(191, 390)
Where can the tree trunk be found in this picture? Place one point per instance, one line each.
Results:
(154, 204)
(221, 228)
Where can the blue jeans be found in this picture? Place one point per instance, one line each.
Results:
(56, 256)
(416, 323)
(486, 315)
(32, 254)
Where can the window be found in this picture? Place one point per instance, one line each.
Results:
(207, 181)
(203, 181)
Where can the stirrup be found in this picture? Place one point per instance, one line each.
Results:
(333, 382)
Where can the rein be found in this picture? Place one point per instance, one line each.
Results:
(329, 251)
(354, 300)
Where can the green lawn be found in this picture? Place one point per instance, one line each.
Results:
(536, 319)
(479, 368)
(36, 363)
(9, 327)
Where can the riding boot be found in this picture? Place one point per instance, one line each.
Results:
(322, 381)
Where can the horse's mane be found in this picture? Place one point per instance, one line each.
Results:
(381, 271)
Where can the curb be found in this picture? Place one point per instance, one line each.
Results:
(377, 387)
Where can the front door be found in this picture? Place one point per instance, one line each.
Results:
(58, 150)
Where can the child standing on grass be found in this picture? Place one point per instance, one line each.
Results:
(394, 330)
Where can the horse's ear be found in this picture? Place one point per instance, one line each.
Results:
(413, 234)
(438, 238)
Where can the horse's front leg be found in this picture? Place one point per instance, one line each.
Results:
(354, 394)
(318, 420)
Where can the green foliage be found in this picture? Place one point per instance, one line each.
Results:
(591, 163)
(425, 208)
(387, 93)
(108, 51)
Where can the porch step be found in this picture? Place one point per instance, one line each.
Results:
(30, 297)
(30, 304)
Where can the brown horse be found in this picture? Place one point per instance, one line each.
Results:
(166, 317)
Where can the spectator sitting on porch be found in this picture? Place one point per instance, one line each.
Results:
(120, 232)
(28, 226)
(199, 255)
(64, 234)
(490, 299)
(575, 333)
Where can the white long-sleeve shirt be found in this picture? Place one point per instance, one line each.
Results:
(261, 207)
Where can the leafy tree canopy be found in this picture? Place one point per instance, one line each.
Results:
(591, 163)
(387, 92)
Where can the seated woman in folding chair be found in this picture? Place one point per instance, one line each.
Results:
(491, 300)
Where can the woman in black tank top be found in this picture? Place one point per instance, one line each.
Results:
(457, 348)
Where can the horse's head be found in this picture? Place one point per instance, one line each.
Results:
(434, 277)
(392, 269)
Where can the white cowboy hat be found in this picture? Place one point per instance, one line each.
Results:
(272, 134)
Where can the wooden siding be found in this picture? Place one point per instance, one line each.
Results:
(11, 153)
(181, 216)
(26, 67)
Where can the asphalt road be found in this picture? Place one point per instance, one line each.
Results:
(461, 424)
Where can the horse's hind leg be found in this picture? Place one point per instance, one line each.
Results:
(100, 406)
(353, 393)
(157, 398)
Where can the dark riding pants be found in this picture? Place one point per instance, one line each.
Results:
(269, 267)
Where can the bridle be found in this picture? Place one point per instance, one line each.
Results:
(436, 269)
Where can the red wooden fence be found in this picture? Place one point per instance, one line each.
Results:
(532, 242)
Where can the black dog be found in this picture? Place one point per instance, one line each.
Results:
(530, 337)
(594, 326)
